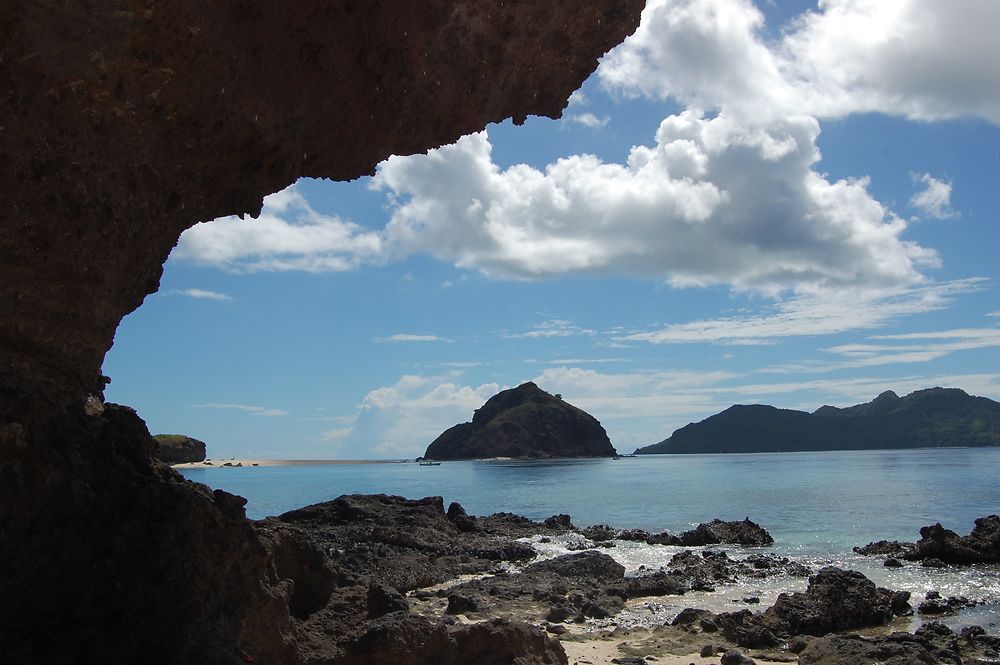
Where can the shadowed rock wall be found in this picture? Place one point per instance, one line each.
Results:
(124, 122)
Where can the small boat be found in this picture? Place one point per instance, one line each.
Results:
(616, 457)
(630, 455)
(429, 463)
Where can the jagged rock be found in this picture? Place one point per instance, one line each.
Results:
(934, 604)
(659, 583)
(178, 449)
(895, 649)
(720, 532)
(462, 604)
(599, 533)
(663, 538)
(461, 520)
(932, 644)
(561, 522)
(982, 545)
(524, 422)
(890, 548)
(585, 564)
(835, 600)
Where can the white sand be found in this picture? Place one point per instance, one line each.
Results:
(209, 463)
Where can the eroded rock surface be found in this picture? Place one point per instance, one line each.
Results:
(835, 600)
(939, 546)
(124, 123)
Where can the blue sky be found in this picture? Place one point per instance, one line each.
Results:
(784, 203)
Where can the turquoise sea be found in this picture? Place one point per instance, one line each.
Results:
(816, 505)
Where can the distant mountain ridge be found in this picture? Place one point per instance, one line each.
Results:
(936, 417)
(524, 422)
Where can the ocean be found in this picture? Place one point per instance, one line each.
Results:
(816, 505)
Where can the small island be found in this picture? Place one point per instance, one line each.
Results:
(524, 423)
(932, 418)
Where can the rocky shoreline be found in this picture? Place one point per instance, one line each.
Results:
(412, 562)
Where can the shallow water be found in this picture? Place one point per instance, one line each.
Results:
(817, 506)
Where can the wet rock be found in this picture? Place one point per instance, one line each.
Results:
(560, 522)
(720, 532)
(982, 545)
(599, 533)
(934, 604)
(890, 548)
(659, 583)
(663, 538)
(892, 563)
(835, 600)
(635, 535)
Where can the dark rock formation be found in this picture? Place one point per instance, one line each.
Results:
(524, 422)
(835, 600)
(178, 449)
(720, 532)
(934, 603)
(924, 419)
(125, 123)
(888, 548)
(932, 644)
(939, 546)
(982, 545)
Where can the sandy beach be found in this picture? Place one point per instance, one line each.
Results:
(242, 462)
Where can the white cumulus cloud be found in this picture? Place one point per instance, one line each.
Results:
(921, 59)
(934, 200)
(288, 235)
(713, 201)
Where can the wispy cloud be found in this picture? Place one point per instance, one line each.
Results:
(934, 200)
(202, 294)
(246, 408)
(590, 120)
(586, 361)
(901, 349)
(825, 313)
(400, 338)
(553, 328)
